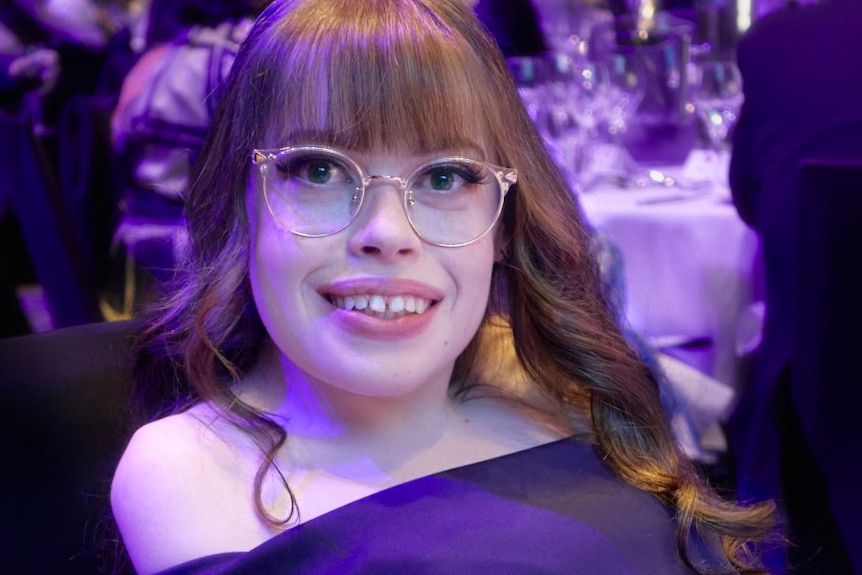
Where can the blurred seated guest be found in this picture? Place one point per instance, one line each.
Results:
(27, 71)
(20, 34)
(158, 127)
(389, 349)
(41, 66)
(25, 75)
(126, 30)
(69, 21)
(168, 18)
(802, 83)
(75, 31)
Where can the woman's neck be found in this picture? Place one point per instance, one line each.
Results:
(387, 439)
(310, 408)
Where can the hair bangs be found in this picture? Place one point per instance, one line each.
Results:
(400, 78)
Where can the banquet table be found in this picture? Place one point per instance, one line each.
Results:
(691, 267)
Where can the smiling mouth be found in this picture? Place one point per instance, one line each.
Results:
(382, 307)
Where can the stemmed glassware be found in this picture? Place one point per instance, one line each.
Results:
(607, 102)
(716, 93)
(588, 96)
(579, 100)
(626, 79)
(545, 85)
(563, 76)
(562, 99)
(619, 89)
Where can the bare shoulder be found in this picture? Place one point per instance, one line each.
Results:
(161, 451)
(173, 497)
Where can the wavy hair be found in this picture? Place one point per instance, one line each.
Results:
(379, 74)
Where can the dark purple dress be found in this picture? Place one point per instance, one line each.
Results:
(553, 509)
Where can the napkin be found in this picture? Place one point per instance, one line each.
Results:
(711, 165)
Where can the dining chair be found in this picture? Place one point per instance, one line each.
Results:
(88, 178)
(826, 384)
(64, 422)
(30, 179)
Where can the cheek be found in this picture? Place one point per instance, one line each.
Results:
(473, 276)
(281, 268)
(262, 278)
(272, 249)
(269, 268)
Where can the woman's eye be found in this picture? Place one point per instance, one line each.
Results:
(319, 172)
(316, 171)
(449, 178)
(442, 179)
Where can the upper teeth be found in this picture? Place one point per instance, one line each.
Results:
(382, 304)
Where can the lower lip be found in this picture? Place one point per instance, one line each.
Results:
(369, 326)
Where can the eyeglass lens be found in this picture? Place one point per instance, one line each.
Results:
(317, 192)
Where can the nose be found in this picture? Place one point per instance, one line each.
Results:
(381, 228)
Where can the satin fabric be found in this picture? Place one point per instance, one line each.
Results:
(552, 509)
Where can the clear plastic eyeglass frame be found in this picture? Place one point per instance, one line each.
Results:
(506, 177)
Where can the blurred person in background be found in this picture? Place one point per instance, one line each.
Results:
(52, 53)
(27, 73)
(77, 30)
(802, 81)
(158, 126)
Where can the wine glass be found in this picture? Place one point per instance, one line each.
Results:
(716, 93)
(563, 77)
(588, 96)
(588, 105)
(619, 90)
(626, 81)
(618, 45)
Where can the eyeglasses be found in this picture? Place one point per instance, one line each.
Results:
(315, 191)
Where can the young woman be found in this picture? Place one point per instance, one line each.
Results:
(390, 351)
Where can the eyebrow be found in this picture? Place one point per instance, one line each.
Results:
(465, 145)
(311, 137)
(328, 138)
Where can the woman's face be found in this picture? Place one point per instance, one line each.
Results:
(307, 290)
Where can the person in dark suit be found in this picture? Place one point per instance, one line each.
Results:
(802, 81)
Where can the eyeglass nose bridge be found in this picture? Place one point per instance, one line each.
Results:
(402, 183)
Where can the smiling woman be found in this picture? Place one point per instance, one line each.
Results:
(389, 350)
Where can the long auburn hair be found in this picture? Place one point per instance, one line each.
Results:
(378, 74)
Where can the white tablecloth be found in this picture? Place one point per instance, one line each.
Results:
(689, 265)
